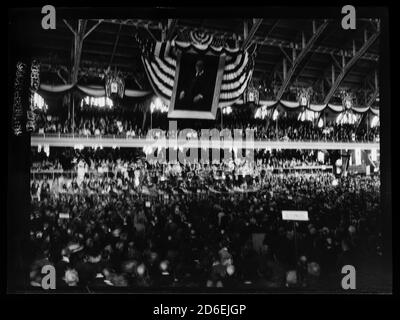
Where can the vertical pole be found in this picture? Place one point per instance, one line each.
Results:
(222, 121)
(73, 114)
(69, 110)
(284, 69)
(151, 119)
(295, 242)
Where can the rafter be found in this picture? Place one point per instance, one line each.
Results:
(115, 44)
(78, 43)
(172, 23)
(61, 77)
(150, 33)
(373, 98)
(247, 41)
(261, 40)
(69, 26)
(300, 57)
(349, 65)
(336, 62)
(92, 29)
(289, 58)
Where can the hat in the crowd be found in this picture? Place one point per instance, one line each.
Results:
(153, 256)
(118, 280)
(230, 270)
(291, 278)
(71, 277)
(94, 259)
(129, 266)
(164, 265)
(141, 269)
(74, 247)
(108, 248)
(352, 229)
(303, 259)
(314, 269)
(325, 230)
(116, 232)
(65, 252)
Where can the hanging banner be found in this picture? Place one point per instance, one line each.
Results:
(197, 86)
(357, 156)
(162, 71)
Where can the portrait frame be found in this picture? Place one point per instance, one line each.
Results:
(195, 114)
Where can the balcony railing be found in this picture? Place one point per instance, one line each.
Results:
(129, 137)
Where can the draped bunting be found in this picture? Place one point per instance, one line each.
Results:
(95, 91)
(201, 42)
(201, 48)
(160, 68)
(317, 107)
(55, 89)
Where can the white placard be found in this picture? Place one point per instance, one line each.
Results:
(148, 204)
(321, 156)
(63, 215)
(358, 156)
(295, 215)
(374, 155)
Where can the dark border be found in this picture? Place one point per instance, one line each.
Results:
(18, 162)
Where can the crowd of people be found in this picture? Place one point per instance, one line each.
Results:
(291, 129)
(201, 226)
(285, 128)
(90, 124)
(106, 160)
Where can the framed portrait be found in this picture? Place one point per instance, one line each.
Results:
(197, 85)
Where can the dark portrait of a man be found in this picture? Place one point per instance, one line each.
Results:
(196, 83)
(195, 92)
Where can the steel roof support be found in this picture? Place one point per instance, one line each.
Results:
(300, 58)
(349, 65)
(249, 38)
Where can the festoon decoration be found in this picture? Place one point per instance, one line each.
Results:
(160, 61)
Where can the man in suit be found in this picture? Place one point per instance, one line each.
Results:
(196, 93)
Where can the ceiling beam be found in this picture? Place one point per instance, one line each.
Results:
(373, 98)
(300, 58)
(77, 49)
(248, 40)
(69, 26)
(261, 40)
(115, 44)
(171, 27)
(92, 28)
(349, 65)
(61, 77)
(151, 33)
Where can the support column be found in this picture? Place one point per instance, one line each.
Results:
(284, 68)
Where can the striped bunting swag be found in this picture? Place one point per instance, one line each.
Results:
(160, 68)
